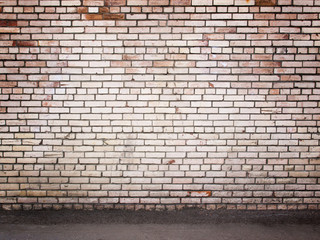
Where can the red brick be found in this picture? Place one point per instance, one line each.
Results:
(180, 2)
(115, 2)
(274, 91)
(114, 16)
(104, 10)
(264, 16)
(9, 30)
(82, 10)
(266, 2)
(93, 16)
(8, 84)
(158, 2)
(8, 23)
(27, 43)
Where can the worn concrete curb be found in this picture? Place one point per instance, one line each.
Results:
(189, 216)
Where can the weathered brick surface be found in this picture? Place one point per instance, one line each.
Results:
(143, 104)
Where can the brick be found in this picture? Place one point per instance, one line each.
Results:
(180, 2)
(8, 2)
(113, 16)
(82, 10)
(266, 2)
(8, 23)
(93, 2)
(9, 30)
(26, 43)
(115, 2)
(137, 2)
(94, 17)
(159, 2)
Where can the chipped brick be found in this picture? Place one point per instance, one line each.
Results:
(200, 194)
(171, 162)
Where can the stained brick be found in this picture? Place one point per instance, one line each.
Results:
(180, 2)
(115, 2)
(94, 16)
(114, 16)
(266, 2)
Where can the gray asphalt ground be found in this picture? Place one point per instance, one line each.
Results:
(186, 224)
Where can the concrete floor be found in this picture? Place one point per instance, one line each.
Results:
(190, 224)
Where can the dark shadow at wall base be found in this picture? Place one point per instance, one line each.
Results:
(187, 216)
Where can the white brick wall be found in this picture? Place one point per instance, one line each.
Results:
(159, 104)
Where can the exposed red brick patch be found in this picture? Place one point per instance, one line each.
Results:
(274, 91)
(264, 16)
(200, 194)
(158, 2)
(101, 16)
(290, 78)
(104, 10)
(8, 84)
(266, 2)
(180, 2)
(270, 64)
(93, 16)
(8, 23)
(27, 43)
(36, 64)
(211, 85)
(171, 162)
(226, 30)
(82, 10)
(115, 16)
(3, 109)
(263, 71)
(46, 104)
(115, 2)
